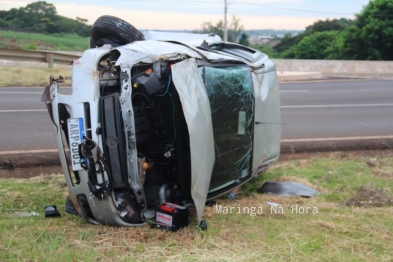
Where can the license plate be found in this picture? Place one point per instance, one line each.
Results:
(76, 133)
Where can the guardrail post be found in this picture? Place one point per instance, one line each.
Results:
(49, 57)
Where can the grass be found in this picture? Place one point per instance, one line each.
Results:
(32, 41)
(337, 232)
(31, 76)
(23, 75)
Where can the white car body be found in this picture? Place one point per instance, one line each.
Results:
(193, 84)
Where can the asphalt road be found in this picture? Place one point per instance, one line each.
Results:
(345, 109)
(311, 111)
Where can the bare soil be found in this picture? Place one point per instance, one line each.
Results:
(369, 196)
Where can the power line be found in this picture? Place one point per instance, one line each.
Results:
(248, 3)
(239, 2)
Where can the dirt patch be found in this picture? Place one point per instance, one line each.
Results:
(369, 196)
(29, 172)
(381, 174)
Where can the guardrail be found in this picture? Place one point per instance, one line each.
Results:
(49, 57)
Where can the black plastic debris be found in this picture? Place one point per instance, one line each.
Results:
(232, 195)
(288, 189)
(203, 225)
(51, 211)
(210, 203)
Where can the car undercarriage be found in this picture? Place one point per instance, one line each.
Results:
(163, 121)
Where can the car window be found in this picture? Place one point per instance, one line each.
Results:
(231, 97)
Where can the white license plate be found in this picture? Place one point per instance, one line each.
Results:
(76, 133)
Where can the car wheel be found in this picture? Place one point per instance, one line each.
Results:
(115, 31)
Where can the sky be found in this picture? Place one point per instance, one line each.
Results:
(190, 14)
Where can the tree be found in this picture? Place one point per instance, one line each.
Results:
(327, 25)
(208, 27)
(244, 40)
(347, 21)
(4, 23)
(289, 41)
(266, 49)
(315, 46)
(81, 20)
(234, 30)
(36, 16)
(371, 38)
(40, 8)
(42, 17)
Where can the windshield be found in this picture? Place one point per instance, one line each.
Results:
(231, 99)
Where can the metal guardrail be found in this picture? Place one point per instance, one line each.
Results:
(49, 57)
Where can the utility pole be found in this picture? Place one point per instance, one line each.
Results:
(225, 22)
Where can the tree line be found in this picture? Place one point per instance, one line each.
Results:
(368, 37)
(42, 17)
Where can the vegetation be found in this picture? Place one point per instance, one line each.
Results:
(34, 41)
(244, 40)
(234, 29)
(371, 38)
(32, 76)
(42, 17)
(266, 49)
(38, 27)
(368, 37)
(352, 223)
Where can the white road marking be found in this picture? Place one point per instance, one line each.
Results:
(336, 139)
(338, 106)
(23, 110)
(290, 91)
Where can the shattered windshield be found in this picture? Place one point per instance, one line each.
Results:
(231, 99)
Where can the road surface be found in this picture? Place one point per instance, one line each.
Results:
(311, 111)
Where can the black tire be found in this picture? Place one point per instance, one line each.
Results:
(110, 27)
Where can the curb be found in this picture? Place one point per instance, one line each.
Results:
(285, 76)
(336, 145)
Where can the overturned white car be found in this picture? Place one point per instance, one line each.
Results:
(179, 118)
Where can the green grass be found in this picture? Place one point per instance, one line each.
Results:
(32, 41)
(337, 232)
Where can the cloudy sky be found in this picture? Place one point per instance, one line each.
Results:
(190, 14)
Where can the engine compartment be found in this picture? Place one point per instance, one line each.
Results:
(162, 137)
